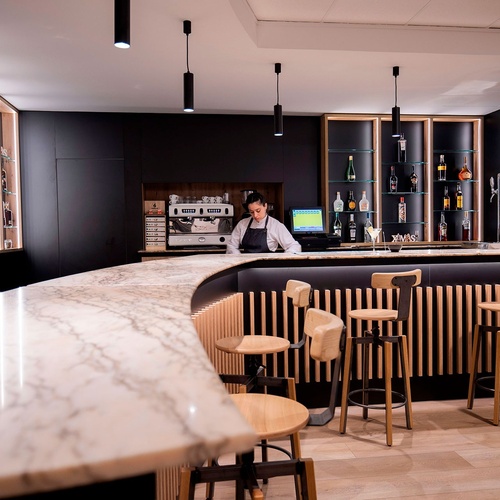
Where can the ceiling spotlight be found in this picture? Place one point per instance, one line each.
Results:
(278, 111)
(122, 24)
(188, 76)
(396, 113)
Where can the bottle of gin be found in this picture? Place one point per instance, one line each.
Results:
(337, 226)
(351, 202)
(466, 227)
(413, 181)
(338, 204)
(402, 149)
(393, 181)
(446, 199)
(368, 227)
(364, 204)
(352, 229)
(442, 229)
(350, 173)
(459, 197)
(441, 169)
(401, 210)
(465, 174)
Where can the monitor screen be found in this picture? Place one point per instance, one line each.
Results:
(307, 220)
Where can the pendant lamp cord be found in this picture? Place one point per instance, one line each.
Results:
(187, 52)
(396, 91)
(277, 88)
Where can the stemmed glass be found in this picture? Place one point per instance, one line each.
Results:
(373, 232)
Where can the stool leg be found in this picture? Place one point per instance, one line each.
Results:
(405, 366)
(345, 384)
(388, 392)
(496, 399)
(474, 362)
(365, 376)
(308, 480)
(186, 486)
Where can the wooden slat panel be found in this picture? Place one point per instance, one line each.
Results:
(449, 329)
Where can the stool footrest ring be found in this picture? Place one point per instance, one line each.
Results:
(479, 382)
(376, 406)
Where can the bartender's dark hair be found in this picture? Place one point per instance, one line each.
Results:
(254, 198)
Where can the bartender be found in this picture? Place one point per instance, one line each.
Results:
(260, 233)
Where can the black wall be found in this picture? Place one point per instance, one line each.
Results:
(82, 175)
(491, 169)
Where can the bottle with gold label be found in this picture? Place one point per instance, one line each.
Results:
(441, 168)
(459, 197)
(351, 202)
(465, 174)
(446, 199)
(350, 173)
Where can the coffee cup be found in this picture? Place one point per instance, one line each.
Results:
(218, 199)
(205, 199)
(174, 198)
(212, 199)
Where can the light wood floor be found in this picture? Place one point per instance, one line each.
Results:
(451, 453)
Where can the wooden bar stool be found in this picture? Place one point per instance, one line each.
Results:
(272, 417)
(404, 282)
(480, 331)
(255, 346)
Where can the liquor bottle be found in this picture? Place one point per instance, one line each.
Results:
(465, 174)
(393, 181)
(413, 181)
(4, 180)
(459, 197)
(466, 227)
(352, 229)
(442, 229)
(368, 227)
(401, 210)
(364, 204)
(337, 226)
(402, 149)
(338, 204)
(8, 220)
(351, 202)
(441, 169)
(350, 174)
(446, 199)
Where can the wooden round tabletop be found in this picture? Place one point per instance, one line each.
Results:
(252, 344)
(489, 306)
(272, 416)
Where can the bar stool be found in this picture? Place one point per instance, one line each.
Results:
(272, 417)
(480, 331)
(404, 282)
(255, 346)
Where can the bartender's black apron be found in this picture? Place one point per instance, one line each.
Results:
(255, 240)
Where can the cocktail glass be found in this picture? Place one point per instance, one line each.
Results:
(374, 232)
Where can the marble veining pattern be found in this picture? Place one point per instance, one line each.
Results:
(102, 374)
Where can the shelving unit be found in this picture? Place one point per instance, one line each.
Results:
(10, 194)
(368, 138)
(356, 136)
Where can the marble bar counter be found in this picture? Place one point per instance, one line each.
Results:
(103, 375)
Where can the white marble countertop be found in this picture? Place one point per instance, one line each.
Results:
(102, 374)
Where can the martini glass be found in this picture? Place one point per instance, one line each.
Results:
(374, 232)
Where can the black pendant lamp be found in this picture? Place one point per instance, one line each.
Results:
(278, 110)
(122, 24)
(188, 76)
(396, 113)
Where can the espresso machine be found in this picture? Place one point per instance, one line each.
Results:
(199, 224)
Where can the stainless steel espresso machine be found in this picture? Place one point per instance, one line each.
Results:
(199, 224)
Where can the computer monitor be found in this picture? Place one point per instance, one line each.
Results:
(307, 221)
